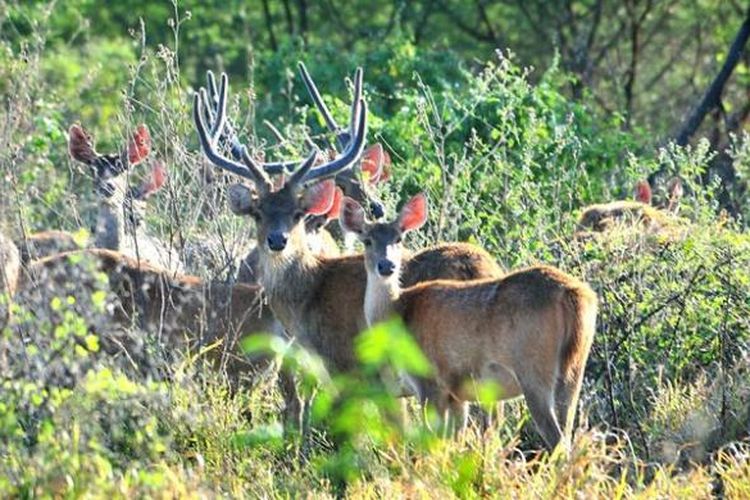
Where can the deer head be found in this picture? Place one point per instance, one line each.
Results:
(382, 240)
(279, 211)
(108, 169)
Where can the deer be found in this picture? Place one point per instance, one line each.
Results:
(119, 222)
(186, 312)
(121, 208)
(318, 299)
(10, 266)
(603, 217)
(81, 148)
(529, 331)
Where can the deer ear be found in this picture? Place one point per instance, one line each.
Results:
(643, 192)
(372, 163)
(338, 198)
(674, 188)
(413, 214)
(352, 216)
(139, 145)
(318, 198)
(241, 199)
(157, 178)
(385, 173)
(81, 145)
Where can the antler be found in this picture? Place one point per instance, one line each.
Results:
(342, 135)
(209, 140)
(352, 153)
(229, 135)
(249, 169)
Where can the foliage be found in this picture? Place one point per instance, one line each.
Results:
(507, 158)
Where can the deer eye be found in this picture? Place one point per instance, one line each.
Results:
(298, 215)
(398, 240)
(367, 242)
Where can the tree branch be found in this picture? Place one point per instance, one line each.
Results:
(713, 95)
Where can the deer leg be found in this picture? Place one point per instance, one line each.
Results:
(293, 403)
(458, 413)
(567, 391)
(540, 398)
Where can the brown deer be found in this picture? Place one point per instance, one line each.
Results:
(318, 299)
(605, 216)
(529, 332)
(185, 311)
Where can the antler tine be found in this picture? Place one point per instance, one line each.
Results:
(220, 112)
(354, 119)
(208, 112)
(228, 134)
(211, 84)
(208, 141)
(312, 89)
(304, 169)
(352, 153)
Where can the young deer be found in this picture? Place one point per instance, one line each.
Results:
(185, 311)
(317, 299)
(602, 217)
(529, 331)
(121, 209)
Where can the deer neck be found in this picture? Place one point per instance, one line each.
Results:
(288, 276)
(381, 296)
(110, 231)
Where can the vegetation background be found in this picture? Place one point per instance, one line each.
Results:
(512, 116)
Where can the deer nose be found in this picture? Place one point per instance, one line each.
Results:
(277, 241)
(377, 209)
(385, 267)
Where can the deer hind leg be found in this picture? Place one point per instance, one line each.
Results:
(567, 390)
(540, 397)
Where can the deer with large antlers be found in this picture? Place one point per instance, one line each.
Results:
(318, 299)
(529, 332)
(375, 164)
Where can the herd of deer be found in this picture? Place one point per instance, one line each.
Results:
(529, 331)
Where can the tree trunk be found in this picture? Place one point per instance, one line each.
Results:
(269, 26)
(712, 97)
